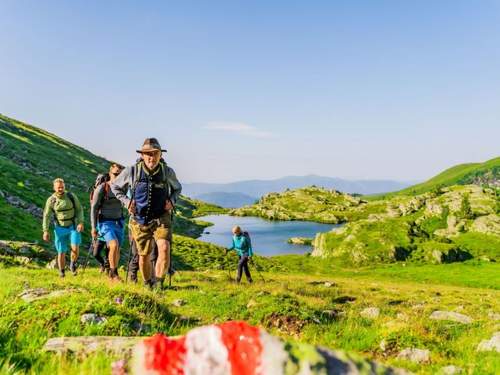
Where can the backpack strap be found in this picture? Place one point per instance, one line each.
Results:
(72, 199)
(164, 179)
(136, 175)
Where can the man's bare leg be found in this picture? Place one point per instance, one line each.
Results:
(145, 267)
(74, 258)
(163, 261)
(61, 263)
(114, 256)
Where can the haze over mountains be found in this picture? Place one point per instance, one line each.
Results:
(239, 193)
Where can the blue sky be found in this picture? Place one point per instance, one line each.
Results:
(261, 89)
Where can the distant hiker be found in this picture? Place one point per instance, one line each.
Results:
(67, 212)
(154, 192)
(243, 246)
(107, 220)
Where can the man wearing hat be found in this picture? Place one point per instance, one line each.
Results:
(154, 191)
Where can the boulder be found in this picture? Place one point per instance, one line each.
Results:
(492, 344)
(451, 316)
(238, 348)
(370, 313)
(415, 355)
(451, 370)
(92, 319)
(30, 295)
(179, 302)
(489, 224)
(89, 345)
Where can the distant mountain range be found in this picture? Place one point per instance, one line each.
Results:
(240, 193)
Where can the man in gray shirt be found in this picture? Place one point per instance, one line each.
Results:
(106, 218)
(154, 191)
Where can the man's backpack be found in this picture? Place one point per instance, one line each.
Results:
(100, 179)
(53, 202)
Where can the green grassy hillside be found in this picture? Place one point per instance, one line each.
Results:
(487, 173)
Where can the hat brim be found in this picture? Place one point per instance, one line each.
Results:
(146, 151)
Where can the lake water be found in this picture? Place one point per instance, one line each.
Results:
(268, 237)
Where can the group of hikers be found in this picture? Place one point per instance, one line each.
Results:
(148, 190)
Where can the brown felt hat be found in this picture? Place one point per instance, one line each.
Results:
(150, 144)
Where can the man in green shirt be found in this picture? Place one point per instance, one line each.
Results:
(68, 224)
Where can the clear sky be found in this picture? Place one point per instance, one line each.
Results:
(261, 89)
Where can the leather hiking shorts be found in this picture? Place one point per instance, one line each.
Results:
(158, 229)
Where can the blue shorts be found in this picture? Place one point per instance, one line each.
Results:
(64, 236)
(111, 230)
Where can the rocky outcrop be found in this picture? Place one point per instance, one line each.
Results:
(427, 228)
(300, 241)
(17, 202)
(238, 348)
(227, 348)
(24, 252)
(309, 203)
(489, 224)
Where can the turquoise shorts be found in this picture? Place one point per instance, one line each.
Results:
(64, 236)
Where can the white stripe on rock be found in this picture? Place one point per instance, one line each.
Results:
(273, 356)
(206, 354)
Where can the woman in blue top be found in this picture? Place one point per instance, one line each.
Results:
(241, 243)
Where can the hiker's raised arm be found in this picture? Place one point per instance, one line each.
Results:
(120, 186)
(174, 184)
(94, 205)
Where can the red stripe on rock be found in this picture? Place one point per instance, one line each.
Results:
(244, 347)
(164, 355)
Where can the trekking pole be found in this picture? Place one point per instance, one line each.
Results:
(254, 264)
(89, 251)
(171, 270)
(128, 261)
(229, 274)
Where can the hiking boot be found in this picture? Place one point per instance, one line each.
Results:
(113, 275)
(62, 274)
(149, 284)
(104, 269)
(158, 286)
(72, 267)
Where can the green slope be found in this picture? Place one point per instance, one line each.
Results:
(462, 174)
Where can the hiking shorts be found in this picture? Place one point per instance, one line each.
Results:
(111, 230)
(64, 236)
(158, 229)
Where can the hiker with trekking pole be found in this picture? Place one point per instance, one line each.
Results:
(242, 245)
(107, 220)
(67, 213)
(154, 191)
